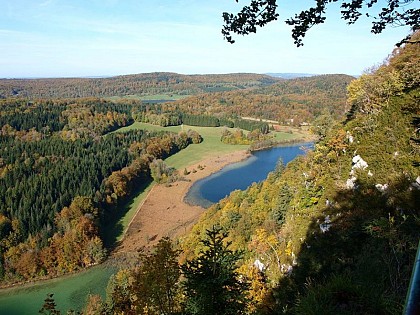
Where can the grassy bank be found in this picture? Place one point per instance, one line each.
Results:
(116, 230)
(70, 292)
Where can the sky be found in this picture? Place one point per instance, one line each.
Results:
(88, 38)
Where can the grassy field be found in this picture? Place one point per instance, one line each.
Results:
(211, 145)
(285, 136)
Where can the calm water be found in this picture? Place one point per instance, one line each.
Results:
(70, 292)
(240, 175)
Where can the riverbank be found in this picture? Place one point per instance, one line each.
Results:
(270, 143)
(164, 212)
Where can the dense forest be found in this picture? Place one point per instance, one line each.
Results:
(333, 232)
(137, 84)
(62, 175)
(288, 102)
(159, 114)
(229, 96)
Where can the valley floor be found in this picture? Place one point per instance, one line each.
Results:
(164, 212)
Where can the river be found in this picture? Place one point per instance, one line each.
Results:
(70, 292)
(240, 175)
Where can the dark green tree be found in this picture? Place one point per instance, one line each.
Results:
(49, 306)
(282, 205)
(260, 12)
(156, 283)
(279, 167)
(212, 285)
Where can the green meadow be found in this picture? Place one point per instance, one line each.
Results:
(211, 145)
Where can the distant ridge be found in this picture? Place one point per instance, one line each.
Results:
(154, 83)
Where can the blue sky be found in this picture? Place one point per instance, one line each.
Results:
(73, 38)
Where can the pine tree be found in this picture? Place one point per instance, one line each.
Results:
(156, 284)
(212, 285)
(49, 306)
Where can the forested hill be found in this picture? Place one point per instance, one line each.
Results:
(336, 231)
(136, 84)
(64, 178)
(287, 101)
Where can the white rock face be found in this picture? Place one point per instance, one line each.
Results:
(259, 265)
(286, 269)
(294, 262)
(382, 188)
(351, 182)
(325, 227)
(416, 184)
(328, 203)
(359, 163)
(350, 137)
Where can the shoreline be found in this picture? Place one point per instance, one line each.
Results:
(164, 211)
(279, 144)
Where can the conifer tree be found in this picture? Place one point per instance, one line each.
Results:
(156, 284)
(212, 285)
(49, 306)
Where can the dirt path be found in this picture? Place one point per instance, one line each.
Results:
(164, 213)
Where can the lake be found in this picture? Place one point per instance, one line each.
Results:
(240, 175)
(70, 292)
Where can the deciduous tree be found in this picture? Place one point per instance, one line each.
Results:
(260, 12)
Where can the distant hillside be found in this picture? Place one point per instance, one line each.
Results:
(136, 84)
(288, 101)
